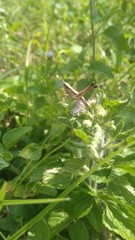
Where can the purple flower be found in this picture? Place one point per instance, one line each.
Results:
(78, 108)
(49, 53)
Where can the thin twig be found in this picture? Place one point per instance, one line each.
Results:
(92, 33)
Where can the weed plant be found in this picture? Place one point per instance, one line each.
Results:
(67, 171)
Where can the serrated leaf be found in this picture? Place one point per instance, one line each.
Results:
(122, 188)
(101, 68)
(128, 168)
(126, 133)
(126, 164)
(78, 231)
(81, 134)
(101, 176)
(11, 137)
(116, 224)
(114, 107)
(80, 204)
(78, 207)
(119, 127)
(115, 36)
(74, 164)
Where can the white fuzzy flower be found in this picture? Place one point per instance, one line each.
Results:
(101, 111)
(87, 123)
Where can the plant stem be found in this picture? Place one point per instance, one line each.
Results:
(92, 29)
(92, 32)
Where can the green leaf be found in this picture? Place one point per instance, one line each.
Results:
(97, 16)
(16, 212)
(40, 102)
(32, 151)
(74, 164)
(3, 164)
(75, 63)
(120, 206)
(117, 224)
(8, 224)
(101, 68)
(78, 231)
(121, 187)
(115, 36)
(72, 65)
(114, 107)
(81, 134)
(47, 190)
(78, 207)
(40, 231)
(57, 218)
(124, 165)
(119, 127)
(127, 133)
(95, 218)
(57, 177)
(80, 204)
(11, 137)
(4, 154)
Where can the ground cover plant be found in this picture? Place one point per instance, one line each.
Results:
(67, 165)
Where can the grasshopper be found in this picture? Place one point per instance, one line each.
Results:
(78, 95)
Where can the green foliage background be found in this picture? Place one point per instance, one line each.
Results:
(65, 176)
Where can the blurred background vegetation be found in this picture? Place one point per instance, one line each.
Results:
(45, 41)
(42, 43)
